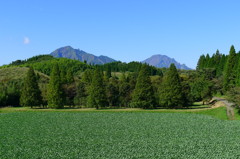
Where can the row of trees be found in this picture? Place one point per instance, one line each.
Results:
(98, 89)
(226, 67)
(226, 72)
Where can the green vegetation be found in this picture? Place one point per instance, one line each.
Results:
(143, 95)
(97, 95)
(171, 90)
(116, 135)
(55, 89)
(30, 94)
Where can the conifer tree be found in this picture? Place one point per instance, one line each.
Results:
(171, 90)
(201, 62)
(69, 77)
(238, 71)
(112, 90)
(30, 93)
(97, 94)
(230, 70)
(63, 75)
(143, 94)
(124, 91)
(109, 72)
(55, 89)
(81, 97)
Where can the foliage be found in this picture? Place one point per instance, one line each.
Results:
(9, 93)
(55, 89)
(229, 76)
(81, 96)
(234, 95)
(97, 93)
(170, 91)
(143, 94)
(30, 93)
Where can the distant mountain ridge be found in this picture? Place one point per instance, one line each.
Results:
(76, 54)
(164, 61)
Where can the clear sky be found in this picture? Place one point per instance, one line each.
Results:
(126, 30)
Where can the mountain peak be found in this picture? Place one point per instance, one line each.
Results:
(160, 61)
(77, 54)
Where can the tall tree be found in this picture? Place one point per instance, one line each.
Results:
(124, 91)
(170, 91)
(201, 62)
(112, 89)
(30, 93)
(55, 89)
(143, 95)
(109, 71)
(230, 70)
(97, 95)
(81, 97)
(69, 76)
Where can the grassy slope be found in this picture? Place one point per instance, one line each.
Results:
(17, 73)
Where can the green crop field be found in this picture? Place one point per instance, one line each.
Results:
(117, 135)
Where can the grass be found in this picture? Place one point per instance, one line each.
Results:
(197, 108)
(127, 135)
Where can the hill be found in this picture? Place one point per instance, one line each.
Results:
(76, 54)
(161, 61)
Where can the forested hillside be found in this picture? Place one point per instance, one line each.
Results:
(61, 82)
(225, 72)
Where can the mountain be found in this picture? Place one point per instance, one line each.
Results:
(71, 53)
(164, 61)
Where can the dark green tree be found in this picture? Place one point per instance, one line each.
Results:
(201, 90)
(124, 91)
(55, 89)
(201, 62)
(230, 70)
(97, 95)
(69, 76)
(109, 72)
(112, 90)
(81, 97)
(170, 91)
(143, 95)
(30, 93)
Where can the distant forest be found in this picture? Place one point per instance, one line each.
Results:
(45, 81)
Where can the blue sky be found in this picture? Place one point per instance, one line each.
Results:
(126, 30)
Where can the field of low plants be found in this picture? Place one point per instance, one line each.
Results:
(117, 135)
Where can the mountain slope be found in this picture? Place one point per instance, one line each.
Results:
(164, 61)
(70, 53)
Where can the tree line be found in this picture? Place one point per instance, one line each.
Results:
(225, 70)
(101, 89)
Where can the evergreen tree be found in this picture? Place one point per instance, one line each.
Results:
(55, 89)
(201, 62)
(171, 90)
(113, 91)
(143, 95)
(30, 93)
(230, 70)
(109, 72)
(220, 66)
(97, 95)
(238, 71)
(81, 97)
(69, 77)
(124, 91)
(63, 75)
(207, 61)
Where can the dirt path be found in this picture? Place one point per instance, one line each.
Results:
(229, 106)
